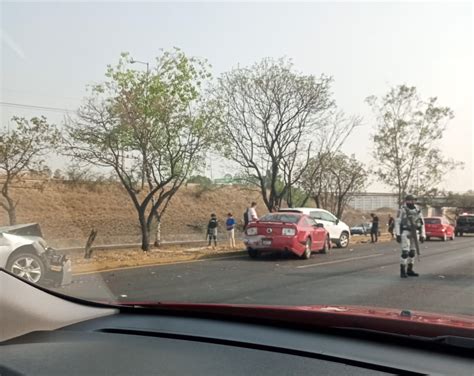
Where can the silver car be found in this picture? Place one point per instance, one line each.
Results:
(24, 252)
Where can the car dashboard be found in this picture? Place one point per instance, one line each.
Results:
(152, 341)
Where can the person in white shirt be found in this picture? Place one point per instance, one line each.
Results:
(253, 212)
(250, 214)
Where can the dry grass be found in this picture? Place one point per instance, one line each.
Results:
(112, 259)
(67, 213)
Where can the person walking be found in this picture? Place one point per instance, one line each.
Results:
(374, 230)
(212, 230)
(391, 225)
(230, 226)
(409, 227)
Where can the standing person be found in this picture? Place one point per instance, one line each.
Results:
(391, 225)
(374, 230)
(212, 230)
(407, 215)
(250, 214)
(230, 226)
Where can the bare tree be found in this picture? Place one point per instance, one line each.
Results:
(315, 180)
(271, 116)
(337, 178)
(151, 127)
(22, 150)
(405, 140)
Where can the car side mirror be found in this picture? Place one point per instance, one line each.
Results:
(337, 221)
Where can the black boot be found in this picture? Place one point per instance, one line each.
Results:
(411, 272)
(403, 272)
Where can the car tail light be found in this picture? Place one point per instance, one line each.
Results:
(251, 231)
(288, 232)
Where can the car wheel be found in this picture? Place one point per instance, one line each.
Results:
(253, 253)
(307, 249)
(27, 266)
(326, 247)
(428, 238)
(343, 241)
(444, 238)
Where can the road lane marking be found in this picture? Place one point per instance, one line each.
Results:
(338, 261)
(155, 265)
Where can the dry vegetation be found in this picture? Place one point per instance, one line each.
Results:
(67, 212)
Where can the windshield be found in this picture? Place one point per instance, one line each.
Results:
(433, 221)
(148, 150)
(466, 220)
(284, 218)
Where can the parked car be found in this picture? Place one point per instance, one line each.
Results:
(24, 252)
(465, 224)
(362, 229)
(339, 232)
(438, 227)
(294, 232)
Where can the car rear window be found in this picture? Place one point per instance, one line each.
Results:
(466, 219)
(432, 221)
(287, 218)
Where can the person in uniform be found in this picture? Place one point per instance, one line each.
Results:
(409, 212)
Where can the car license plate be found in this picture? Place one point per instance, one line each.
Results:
(266, 242)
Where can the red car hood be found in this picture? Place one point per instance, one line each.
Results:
(385, 320)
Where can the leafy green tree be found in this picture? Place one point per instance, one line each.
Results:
(201, 180)
(152, 128)
(405, 141)
(22, 149)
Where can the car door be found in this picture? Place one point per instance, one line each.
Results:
(305, 229)
(447, 227)
(328, 221)
(318, 234)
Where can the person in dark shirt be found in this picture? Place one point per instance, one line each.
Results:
(391, 225)
(374, 229)
(212, 230)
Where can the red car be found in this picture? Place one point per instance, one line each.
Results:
(294, 232)
(438, 227)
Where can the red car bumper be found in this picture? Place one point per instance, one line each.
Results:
(436, 233)
(275, 243)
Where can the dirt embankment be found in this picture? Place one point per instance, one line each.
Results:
(67, 213)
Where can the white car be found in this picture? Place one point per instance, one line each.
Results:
(339, 232)
(24, 253)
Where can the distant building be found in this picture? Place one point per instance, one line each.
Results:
(372, 201)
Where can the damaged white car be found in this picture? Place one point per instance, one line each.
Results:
(24, 252)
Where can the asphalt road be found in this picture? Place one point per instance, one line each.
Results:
(361, 275)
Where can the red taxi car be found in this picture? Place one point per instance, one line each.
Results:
(438, 227)
(281, 231)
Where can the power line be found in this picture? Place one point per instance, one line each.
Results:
(35, 107)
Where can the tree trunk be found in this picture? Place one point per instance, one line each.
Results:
(10, 206)
(145, 231)
(90, 240)
(12, 216)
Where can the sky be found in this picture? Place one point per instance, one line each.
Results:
(50, 52)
